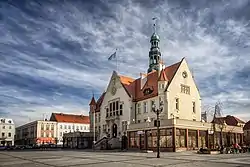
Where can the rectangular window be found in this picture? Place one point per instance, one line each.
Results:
(110, 107)
(145, 107)
(69, 127)
(47, 127)
(9, 135)
(9, 127)
(3, 134)
(65, 126)
(121, 109)
(177, 103)
(113, 104)
(116, 105)
(42, 135)
(139, 121)
(138, 108)
(61, 133)
(61, 126)
(52, 127)
(107, 112)
(152, 103)
(3, 127)
(185, 89)
(193, 107)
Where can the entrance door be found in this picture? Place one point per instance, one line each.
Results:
(114, 130)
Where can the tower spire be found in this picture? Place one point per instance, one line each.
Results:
(154, 53)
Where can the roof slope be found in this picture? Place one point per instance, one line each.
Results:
(229, 120)
(133, 86)
(70, 118)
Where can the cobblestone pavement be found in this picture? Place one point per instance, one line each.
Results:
(121, 159)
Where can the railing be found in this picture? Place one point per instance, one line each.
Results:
(99, 141)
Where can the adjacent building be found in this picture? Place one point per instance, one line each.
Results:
(247, 133)
(37, 133)
(67, 123)
(7, 132)
(127, 107)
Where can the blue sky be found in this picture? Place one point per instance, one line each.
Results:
(53, 54)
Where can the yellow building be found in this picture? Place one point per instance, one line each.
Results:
(126, 107)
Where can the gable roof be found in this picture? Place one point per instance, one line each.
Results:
(247, 126)
(163, 76)
(99, 102)
(70, 118)
(229, 120)
(133, 86)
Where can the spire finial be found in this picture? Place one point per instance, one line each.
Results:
(154, 19)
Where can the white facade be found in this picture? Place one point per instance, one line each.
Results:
(180, 97)
(66, 127)
(115, 110)
(7, 131)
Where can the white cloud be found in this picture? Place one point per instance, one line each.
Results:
(68, 46)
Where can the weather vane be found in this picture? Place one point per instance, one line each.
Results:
(154, 19)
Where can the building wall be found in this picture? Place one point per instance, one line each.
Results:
(36, 132)
(185, 110)
(65, 127)
(247, 136)
(107, 122)
(7, 131)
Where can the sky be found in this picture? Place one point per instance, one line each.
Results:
(54, 53)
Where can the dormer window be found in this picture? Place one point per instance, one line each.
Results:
(9, 121)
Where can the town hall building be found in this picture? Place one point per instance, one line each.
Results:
(126, 107)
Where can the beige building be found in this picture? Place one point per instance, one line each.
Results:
(247, 133)
(126, 106)
(37, 132)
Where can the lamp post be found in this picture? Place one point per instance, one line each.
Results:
(222, 126)
(158, 111)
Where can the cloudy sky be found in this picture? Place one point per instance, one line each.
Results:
(53, 54)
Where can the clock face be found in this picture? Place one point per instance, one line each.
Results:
(184, 74)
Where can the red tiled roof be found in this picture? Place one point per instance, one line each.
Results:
(247, 126)
(133, 87)
(230, 120)
(70, 118)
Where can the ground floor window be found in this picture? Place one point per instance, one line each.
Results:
(192, 138)
(202, 139)
(180, 138)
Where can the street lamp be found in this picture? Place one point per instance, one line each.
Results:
(158, 111)
(222, 126)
